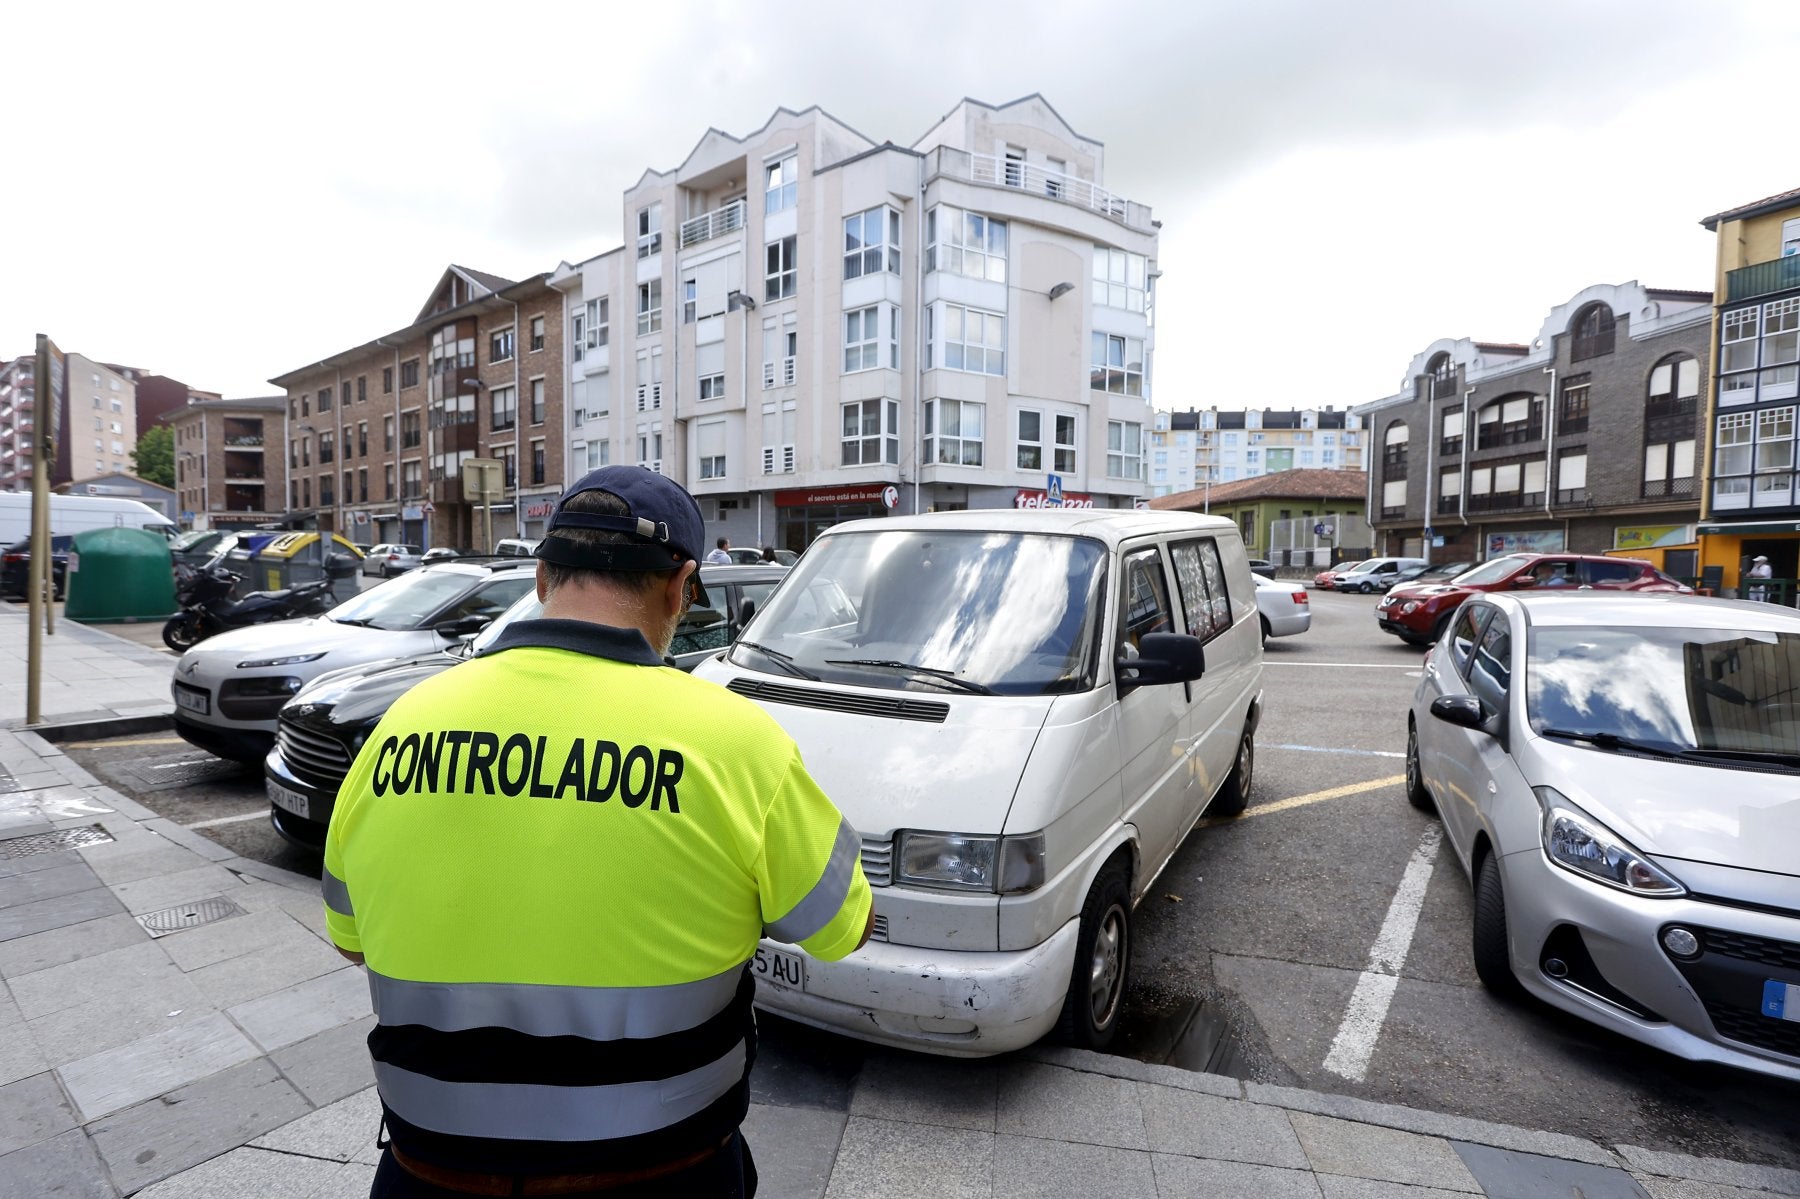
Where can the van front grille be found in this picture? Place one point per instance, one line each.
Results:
(894, 707)
(878, 861)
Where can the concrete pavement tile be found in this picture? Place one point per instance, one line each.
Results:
(114, 1079)
(244, 1172)
(167, 1135)
(19, 1054)
(344, 1131)
(32, 1110)
(331, 1065)
(1506, 1174)
(60, 912)
(24, 823)
(63, 1167)
(1028, 1168)
(1196, 1178)
(141, 858)
(304, 883)
(794, 1148)
(927, 1090)
(1677, 1188)
(74, 983)
(1710, 1169)
(1387, 1154)
(212, 851)
(1068, 1105)
(882, 1159)
(1339, 1186)
(124, 805)
(118, 1012)
(167, 890)
(352, 1181)
(295, 1014)
(209, 944)
(287, 962)
(1229, 1129)
(32, 863)
(1124, 1067)
(47, 884)
(41, 951)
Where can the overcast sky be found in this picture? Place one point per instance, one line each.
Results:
(224, 198)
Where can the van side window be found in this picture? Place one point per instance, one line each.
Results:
(1200, 577)
(1145, 596)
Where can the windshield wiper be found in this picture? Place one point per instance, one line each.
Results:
(1787, 757)
(931, 672)
(359, 622)
(1614, 741)
(785, 661)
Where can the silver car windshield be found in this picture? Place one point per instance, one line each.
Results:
(405, 602)
(1674, 689)
(526, 607)
(937, 610)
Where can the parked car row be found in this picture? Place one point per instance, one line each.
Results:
(1419, 612)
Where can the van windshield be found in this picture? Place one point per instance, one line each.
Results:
(938, 610)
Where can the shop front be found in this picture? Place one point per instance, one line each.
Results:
(1728, 549)
(1672, 549)
(802, 513)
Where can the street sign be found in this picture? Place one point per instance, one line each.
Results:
(1053, 491)
(483, 479)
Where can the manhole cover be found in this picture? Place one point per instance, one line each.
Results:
(182, 772)
(68, 838)
(188, 915)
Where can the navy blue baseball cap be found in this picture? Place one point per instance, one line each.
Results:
(664, 524)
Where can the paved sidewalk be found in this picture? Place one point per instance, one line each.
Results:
(174, 1025)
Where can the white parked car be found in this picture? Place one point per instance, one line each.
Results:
(1617, 772)
(389, 559)
(1284, 607)
(228, 689)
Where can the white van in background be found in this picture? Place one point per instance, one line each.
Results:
(1021, 714)
(71, 514)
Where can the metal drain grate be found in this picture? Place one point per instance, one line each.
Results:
(68, 838)
(181, 772)
(188, 915)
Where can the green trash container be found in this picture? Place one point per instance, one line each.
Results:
(119, 575)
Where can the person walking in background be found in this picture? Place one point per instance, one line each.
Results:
(721, 553)
(1759, 569)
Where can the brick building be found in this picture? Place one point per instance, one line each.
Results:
(1582, 440)
(379, 432)
(230, 461)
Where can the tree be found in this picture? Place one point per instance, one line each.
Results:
(154, 456)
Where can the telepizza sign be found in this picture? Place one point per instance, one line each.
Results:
(1040, 499)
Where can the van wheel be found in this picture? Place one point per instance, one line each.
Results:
(1365, 587)
(1090, 1014)
(1234, 796)
(1417, 793)
(1493, 958)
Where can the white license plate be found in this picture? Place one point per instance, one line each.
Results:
(1781, 1000)
(194, 700)
(289, 800)
(779, 969)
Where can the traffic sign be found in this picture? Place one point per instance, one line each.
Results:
(1053, 491)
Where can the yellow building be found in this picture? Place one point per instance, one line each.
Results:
(1751, 506)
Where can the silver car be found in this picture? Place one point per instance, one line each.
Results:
(390, 559)
(1619, 775)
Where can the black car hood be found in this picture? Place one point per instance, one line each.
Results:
(361, 695)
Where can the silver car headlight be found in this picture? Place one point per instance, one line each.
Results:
(290, 660)
(1582, 845)
(970, 862)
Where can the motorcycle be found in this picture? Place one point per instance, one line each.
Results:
(207, 608)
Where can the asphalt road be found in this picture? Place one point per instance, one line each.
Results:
(1250, 946)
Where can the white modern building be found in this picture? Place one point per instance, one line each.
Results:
(1190, 449)
(806, 326)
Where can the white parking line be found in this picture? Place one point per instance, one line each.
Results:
(1349, 665)
(263, 814)
(1354, 1044)
(1329, 749)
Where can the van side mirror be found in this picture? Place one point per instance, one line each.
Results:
(1161, 658)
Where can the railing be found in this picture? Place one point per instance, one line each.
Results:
(1667, 406)
(1505, 501)
(1595, 346)
(1572, 424)
(1778, 274)
(1492, 438)
(1572, 495)
(441, 419)
(1447, 503)
(1450, 447)
(709, 225)
(1665, 488)
(995, 171)
(251, 440)
(778, 374)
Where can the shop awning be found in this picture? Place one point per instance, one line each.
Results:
(1748, 528)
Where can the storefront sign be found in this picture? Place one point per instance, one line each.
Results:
(1040, 499)
(539, 509)
(1528, 541)
(1643, 537)
(412, 512)
(853, 493)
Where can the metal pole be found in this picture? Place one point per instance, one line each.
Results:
(44, 396)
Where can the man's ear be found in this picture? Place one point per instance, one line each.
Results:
(675, 593)
(543, 591)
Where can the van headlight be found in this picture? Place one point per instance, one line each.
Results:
(970, 862)
(1582, 845)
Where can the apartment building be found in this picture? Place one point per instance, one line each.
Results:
(230, 461)
(1752, 503)
(379, 432)
(1581, 440)
(1192, 448)
(806, 326)
(18, 403)
(99, 421)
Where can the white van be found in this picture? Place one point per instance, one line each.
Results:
(71, 514)
(1022, 713)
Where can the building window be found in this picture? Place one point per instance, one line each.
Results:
(779, 274)
(710, 446)
(599, 319)
(326, 495)
(871, 433)
(505, 403)
(409, 430)
(345, 388)
(599, 454)
(965, 243)
(780, 355)
(387, 380)
(690, 292)
(306, 493)
(1674, 387)
(1509, 420)
(1443, 376)
(387, 434)
(411, 481)
(871, 243)
(1669, 469)
(327, 447)
(649, 230)
(1572, 405)
(712, 387)
(577, 335)
(1449, 489)
(1124, 450)
(1592, 333)
(1393, 452)
(649, 379)
(500, 346)
(649, 307)
(1775, 440)
(1030, 449)
(537, 333)
(1119, 279)
(387, 473)
(778, 437)
(362, 439)
(1451, 440)
(863, 338)
(537, 461)
(537, 401)
(1117, 365)
(1571, 476)
(324, 399)
(409, 373)
(1780, 350)
(781, 181)
(953, 432)
(973, 340)
(1059, 430)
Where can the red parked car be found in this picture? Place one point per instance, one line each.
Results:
(1418, 613)
(1327, 579)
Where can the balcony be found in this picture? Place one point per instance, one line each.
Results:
(1658, 489)
(778, 374)
(994, 171)
(709, 225)
(1780, 274)
(1506, 501)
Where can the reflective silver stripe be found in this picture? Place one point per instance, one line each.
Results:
(337, 895)
(534, 1112)
(819, 905)
(544, 1010)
